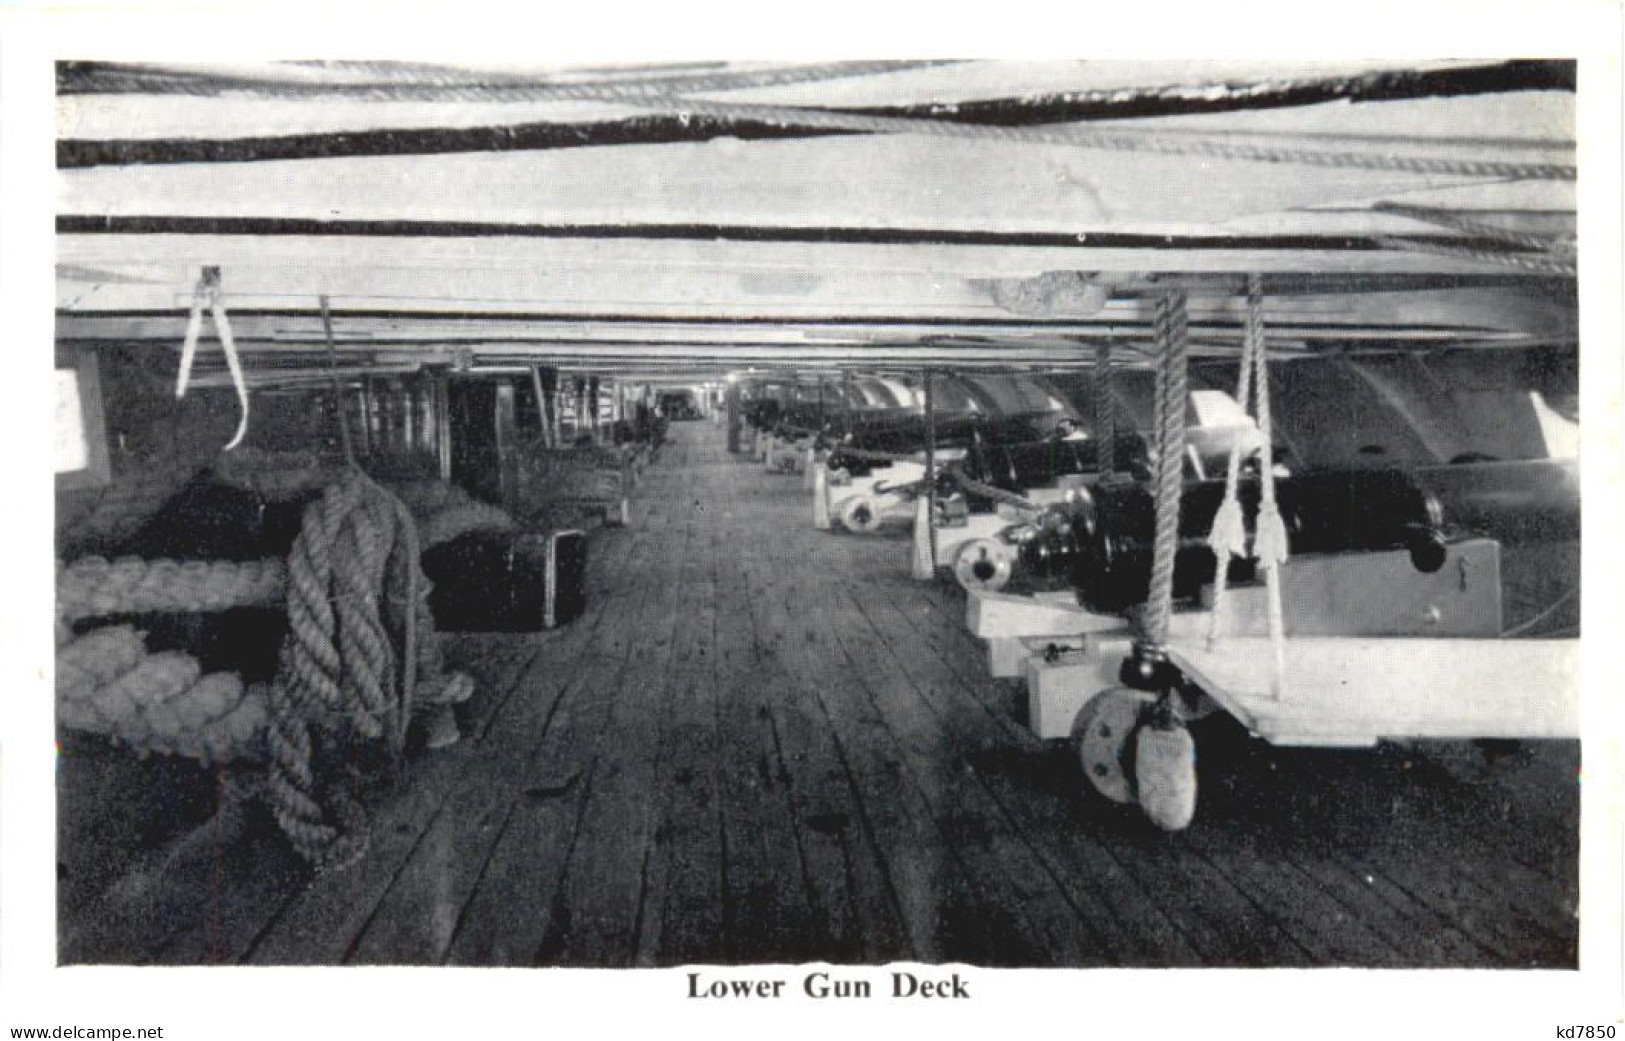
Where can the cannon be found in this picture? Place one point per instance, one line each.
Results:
(1390, 603)
(1101, 539)
(875, 472)
(970, 525)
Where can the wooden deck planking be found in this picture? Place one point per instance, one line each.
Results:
(1523, 893)
(936, 898)
(332, 916)
(680, 914)
(774, 910)
(1075, 844)
(1338, 900)
(198, 882)
(1242, 931)
(856, 912)
(765, 743)
(602, 888)
(937, 680)
(975, 823)
(513, 909)
(1360, 815)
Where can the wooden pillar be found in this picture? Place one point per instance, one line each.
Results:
(555, 413)
(541, 403)
(364, 407)
(426, 418)
(383, 393)
(929, 500)
(442, 422)
(409, 410)
(507, 438)
(381, 401)
(735, 421)
(594, 403)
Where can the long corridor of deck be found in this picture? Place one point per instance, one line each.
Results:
(764, 743)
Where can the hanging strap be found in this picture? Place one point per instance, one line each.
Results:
(1269, 540)
(1228, 537)
(207, 296)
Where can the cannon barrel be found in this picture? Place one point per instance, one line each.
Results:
(1017, 466)
(906, 434)
(1102, 542)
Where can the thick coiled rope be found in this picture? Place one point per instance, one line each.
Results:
(275, 476)
(104, 518)
(424, 498)
(447, 524)
(92, 586)
(1172, 347)
(337, 680)
(108, 684)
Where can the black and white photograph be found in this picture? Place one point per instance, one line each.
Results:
(821, 531)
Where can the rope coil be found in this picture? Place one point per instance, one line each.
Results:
(106, 517)
(108, 684)
(354, 591)
(92, 586)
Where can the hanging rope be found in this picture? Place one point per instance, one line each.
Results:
(1270, 543)
(333, 380)
(275, 476)
(207, 296)
(1228, 537)
(1105, 411)
(353, 570)
(1172, 345)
